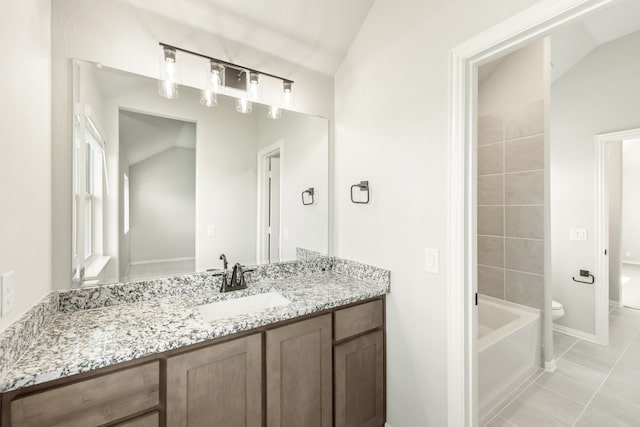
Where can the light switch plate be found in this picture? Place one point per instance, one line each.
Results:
(432, 260)
(211, 231)
(578, 234)
(7, 288)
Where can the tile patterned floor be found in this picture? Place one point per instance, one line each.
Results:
(593, 386)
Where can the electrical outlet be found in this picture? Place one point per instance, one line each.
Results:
(627, 254)
(7, 289)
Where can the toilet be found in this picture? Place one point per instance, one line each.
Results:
(557, 310)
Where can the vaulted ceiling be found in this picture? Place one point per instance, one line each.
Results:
(314, 34)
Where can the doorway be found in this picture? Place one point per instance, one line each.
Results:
(269, 203)
(532, 24)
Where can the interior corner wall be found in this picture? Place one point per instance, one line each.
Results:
(118, 35)
(395, 136)
(25, 152)
(598, 95)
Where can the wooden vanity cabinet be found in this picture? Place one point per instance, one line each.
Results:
(319, 371)
(219, 385)
(299, 374)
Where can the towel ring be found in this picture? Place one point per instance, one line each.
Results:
(363, 186)
(311, 192)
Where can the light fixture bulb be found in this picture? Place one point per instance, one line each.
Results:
(274, 112)
(243, 105)
(168, 84)
(209, 98)
(215, 77)
(253, 85)
(287, 89)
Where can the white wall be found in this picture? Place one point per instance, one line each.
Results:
(25, 151)
(631, 200)
(391, 128)
(600, 94)
(118, 35)
(163, 206)
(305, 149)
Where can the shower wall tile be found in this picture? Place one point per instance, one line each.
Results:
(523, 288)
(491, 251)
(491, 281)
(491, 220)
(524, 255)
(491, 190)
(523, 121)
(523, 221)
(524, 154)
(490, 129)
(524, 188)
(491, 159)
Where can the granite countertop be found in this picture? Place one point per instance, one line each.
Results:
(88, 339)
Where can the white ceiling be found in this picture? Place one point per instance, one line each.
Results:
(573, 43)
(314, 34)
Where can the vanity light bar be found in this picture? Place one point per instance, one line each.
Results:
(226, 63)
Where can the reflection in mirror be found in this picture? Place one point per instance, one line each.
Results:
(163, 187)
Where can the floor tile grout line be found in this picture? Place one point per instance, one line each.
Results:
(607, 377)
(530, 381)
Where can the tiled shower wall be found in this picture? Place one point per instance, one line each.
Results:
(511, 204)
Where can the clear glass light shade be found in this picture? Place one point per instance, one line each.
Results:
(254, 88)
(287, 94)
(169, 74)
(209, 98)
(215, 78)
(243, 105)
(274, 112)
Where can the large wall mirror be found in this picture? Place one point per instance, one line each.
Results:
(163, 187)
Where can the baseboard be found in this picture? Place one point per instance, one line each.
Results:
(631, 262)
(387, 425)
(161, 261)
(575, 333)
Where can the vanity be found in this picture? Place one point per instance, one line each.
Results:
(134, 355)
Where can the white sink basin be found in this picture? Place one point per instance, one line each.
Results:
(244, 305)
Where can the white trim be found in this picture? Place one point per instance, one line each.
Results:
(161, 261)
(602, 229)
(631, 262)
(575, 333)
(550, 366)
(531, 24)
(615, 303)
(262, 154)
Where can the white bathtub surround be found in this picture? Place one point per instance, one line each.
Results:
(508, 349)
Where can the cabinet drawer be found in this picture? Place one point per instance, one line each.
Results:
(91, 402)
(358, 319)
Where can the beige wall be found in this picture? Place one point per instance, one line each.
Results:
(25, 151)
(511, 165)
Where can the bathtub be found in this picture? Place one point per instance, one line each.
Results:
(508, 349)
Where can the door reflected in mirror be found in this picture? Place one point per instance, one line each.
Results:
(163, 187)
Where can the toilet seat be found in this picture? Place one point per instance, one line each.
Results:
(555, 305)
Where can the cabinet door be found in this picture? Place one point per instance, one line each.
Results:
(220, 385)
(359, 382)
(299, 378)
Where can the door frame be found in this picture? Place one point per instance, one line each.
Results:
(602, 227)
(532, 24)
(263, 154)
